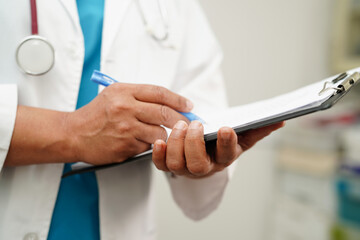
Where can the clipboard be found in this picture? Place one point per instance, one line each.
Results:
(348, 81)
(334, 88)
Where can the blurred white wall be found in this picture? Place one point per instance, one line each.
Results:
(270, 47)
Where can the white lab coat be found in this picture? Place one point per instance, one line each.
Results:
(28, 193)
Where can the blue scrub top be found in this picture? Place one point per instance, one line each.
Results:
(76, 212)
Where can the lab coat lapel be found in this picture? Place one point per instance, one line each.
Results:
(71, 8)
(115, 11)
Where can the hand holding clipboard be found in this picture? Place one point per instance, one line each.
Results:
(312, 98)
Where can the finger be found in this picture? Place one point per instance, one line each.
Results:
(131, 149)
(197, 161)
(227, 147)
(159, 155)
(163, 96)
(175, 158)
(141, 147)
(249, 138)
(158, 114)
(149, 133)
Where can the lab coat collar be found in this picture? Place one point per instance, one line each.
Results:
(71, 8)
(115, 11)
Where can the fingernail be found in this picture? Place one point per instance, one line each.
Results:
(189, 104)
(195, 125)
(180, 125)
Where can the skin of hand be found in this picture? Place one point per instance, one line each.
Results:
(122, 121)
(185, 153)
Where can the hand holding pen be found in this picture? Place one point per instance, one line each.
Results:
(123, 121)
(185, 154)
(105, 80)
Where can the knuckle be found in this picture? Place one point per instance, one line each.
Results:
(116, 86)
(112, 110)
(175, 166)
(140, 111)
(160, 92)
(177, 136)
(163, 134)
(138, 88)
(116, 107)
(165, 113)
(198, 168)
(191, 138)
(124, 126)
(194, 139)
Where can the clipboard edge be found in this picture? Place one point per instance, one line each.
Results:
(210, 137)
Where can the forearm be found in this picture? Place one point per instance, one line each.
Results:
(39, 136)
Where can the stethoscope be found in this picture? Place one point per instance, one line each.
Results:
(35, 55)
(161, 39)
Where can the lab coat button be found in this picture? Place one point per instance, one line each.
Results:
(31, 236)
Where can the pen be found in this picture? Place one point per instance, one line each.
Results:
(105, 80)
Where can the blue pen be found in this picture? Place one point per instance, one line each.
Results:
(105, 80)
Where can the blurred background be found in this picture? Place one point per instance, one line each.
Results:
(302, 182)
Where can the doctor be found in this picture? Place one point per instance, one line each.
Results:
(153, 46)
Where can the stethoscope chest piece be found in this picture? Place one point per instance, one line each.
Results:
(35, 55)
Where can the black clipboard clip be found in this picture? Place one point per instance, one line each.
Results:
(347, 83)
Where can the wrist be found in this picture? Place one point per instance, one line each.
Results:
(70, 146)
(40, 136)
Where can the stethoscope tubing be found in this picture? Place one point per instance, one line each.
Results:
(34, 22)
(164, 19)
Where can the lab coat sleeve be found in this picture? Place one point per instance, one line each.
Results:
(8, 107)
(199, 78)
